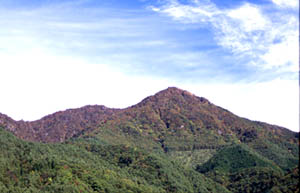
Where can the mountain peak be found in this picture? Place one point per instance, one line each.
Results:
(172, 89)
(175, 90)
(173, 95)
(180, 95)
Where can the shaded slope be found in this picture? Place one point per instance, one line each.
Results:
(234, 158)
(288, 183)
(240, 169)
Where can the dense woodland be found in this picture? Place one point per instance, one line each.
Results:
(173, 141)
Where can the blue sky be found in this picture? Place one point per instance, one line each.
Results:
(241, 55)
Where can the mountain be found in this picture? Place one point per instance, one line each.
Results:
(169, 136)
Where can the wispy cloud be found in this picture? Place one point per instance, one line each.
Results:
(137, 41)
(268, 39)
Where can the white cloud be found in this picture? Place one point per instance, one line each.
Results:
(249, 18)
(187, 13)
(274, 56)
(286, 50)
(247, 31)
(287, 3)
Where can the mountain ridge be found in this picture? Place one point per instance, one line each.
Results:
(90, 116)
(84, 117)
